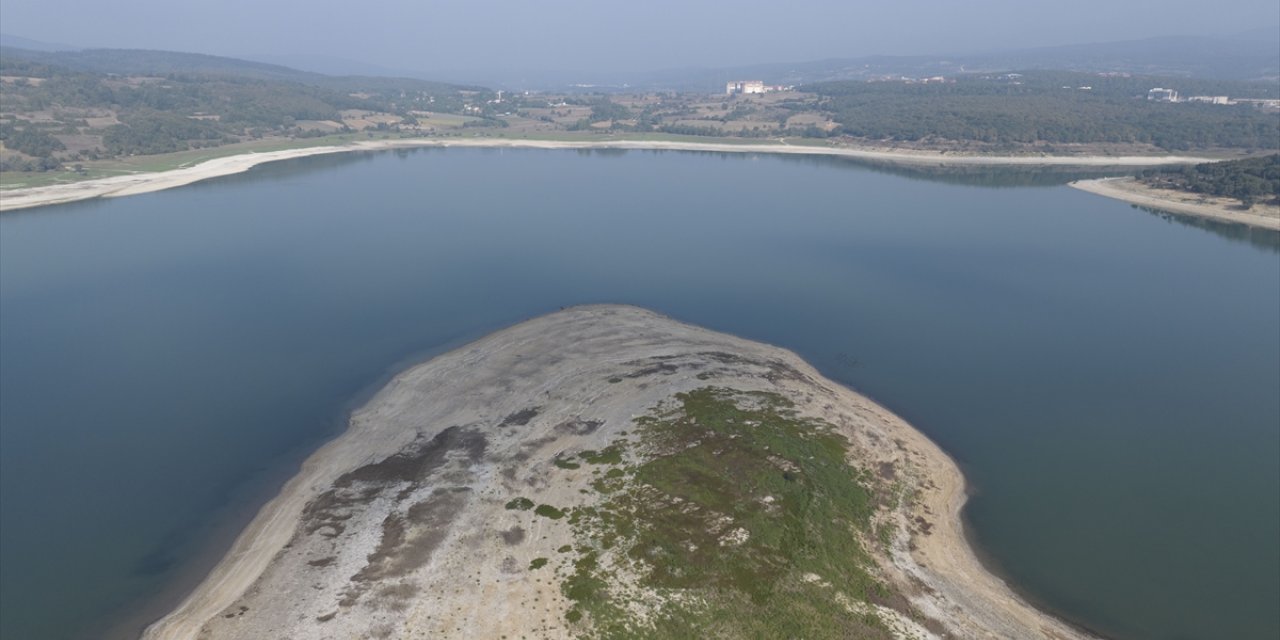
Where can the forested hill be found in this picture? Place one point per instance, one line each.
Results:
(1054, 107)
(65, 107)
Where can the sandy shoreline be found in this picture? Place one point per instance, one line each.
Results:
(118, 186)
(1134, 192)
(573, 363)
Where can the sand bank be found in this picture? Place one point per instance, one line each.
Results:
(117, 186)
(404, 526)
(1227, 209)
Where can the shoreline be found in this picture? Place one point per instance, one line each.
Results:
(134, 184)
(1131, 191)
(959, 589)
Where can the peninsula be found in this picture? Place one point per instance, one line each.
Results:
(606, 471)
(1244, 191)
(1134, 191)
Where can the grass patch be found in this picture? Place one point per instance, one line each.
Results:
(738, 500)
(537, 563)
(611, 455)
(564, 463)
(521, 504)
(548, 511)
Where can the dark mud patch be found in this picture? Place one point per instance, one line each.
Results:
(419, 459)
(408, 540)
(520, 418)
(886, 470)
(579, 427)
(775, 370)
(329, 512)
(513, 536)
(925, 526)
(662, 368)
(395, 597)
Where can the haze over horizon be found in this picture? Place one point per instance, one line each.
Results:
(591, 37)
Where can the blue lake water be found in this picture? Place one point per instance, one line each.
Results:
(1108, 378)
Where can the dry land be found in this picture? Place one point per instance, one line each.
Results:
(144, 182)
(605, 471)
(1265, 216)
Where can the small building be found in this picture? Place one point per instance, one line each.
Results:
(1162, 95)
(1210, 99)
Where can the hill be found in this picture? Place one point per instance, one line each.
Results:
(1252, 56)
(71, 106)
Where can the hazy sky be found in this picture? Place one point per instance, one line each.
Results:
(612, 35)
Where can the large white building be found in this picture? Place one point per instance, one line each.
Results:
(746, 86)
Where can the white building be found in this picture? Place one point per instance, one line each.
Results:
(746, 86)
(1210, 99)
(1162, 95)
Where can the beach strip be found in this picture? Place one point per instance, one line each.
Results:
(133, 184)
(1225, 209)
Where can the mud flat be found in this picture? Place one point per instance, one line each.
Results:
(606, 470)
(147, 182)
(1226, 209)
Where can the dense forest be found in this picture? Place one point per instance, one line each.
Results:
(58, 107)
(1251, 180)
(1052, 107)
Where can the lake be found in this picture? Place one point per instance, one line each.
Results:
(1108, 378)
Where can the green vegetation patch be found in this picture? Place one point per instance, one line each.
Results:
(537, 563)
(521, 503)
(744, 519)
(611, 455)
(548, 511)
(564, 463)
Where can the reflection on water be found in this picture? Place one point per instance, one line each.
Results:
(987, 176)
(1266, 239)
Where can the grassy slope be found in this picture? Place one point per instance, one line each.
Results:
(728, 516)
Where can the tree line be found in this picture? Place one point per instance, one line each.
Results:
(1249, 180)
(1046, 107)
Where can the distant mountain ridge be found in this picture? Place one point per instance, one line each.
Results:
(144, 62)
(18, 42)
(1253, 55)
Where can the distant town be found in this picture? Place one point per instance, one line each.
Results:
(742, 87)
(1160, 94)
